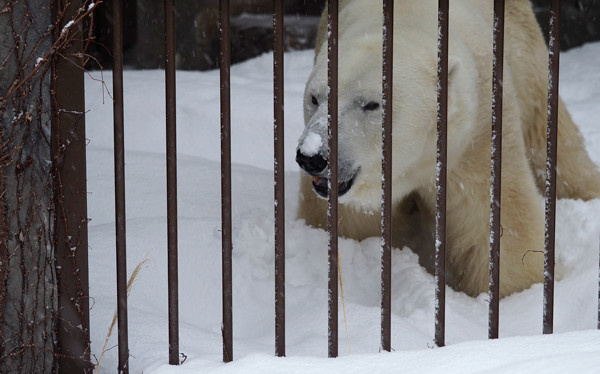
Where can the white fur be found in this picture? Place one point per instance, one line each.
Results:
(469, 123)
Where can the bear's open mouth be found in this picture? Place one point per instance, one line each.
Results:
(320, 186)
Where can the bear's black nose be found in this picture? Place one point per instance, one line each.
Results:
(311, 164)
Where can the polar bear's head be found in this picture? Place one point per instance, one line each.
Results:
(360, 119)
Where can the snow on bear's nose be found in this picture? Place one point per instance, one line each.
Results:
(311, 144)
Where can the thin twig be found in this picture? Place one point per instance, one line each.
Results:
(132, 278)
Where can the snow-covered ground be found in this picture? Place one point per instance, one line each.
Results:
(574, 348)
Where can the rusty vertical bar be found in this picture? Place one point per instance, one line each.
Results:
(496, 161)
(441, 161)
(120, 187)
(227, 246)
(171, 145)
(279, 177)
(332, 185)
(386, 166)
(551, 157)
(68, 151)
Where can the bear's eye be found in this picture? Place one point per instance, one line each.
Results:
(370, 106)
(314, 100)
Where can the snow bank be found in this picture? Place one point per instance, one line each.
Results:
(575, 348)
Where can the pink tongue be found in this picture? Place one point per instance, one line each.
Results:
(321, 181)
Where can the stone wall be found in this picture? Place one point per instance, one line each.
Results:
(251, 29)
(197, 31)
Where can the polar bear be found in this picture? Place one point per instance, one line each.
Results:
(414, 137)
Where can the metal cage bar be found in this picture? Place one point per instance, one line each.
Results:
(332, 211)
(386, 166)
(227, 246)
(440, 216)
(68, 153)
(171, 145)
(279, 177)
(496, 166)
(551, 157)
(120, 187)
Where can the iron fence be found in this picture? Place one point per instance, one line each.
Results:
(279, 182)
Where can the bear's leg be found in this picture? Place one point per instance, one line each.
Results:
(414, 227)
(521, 236)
